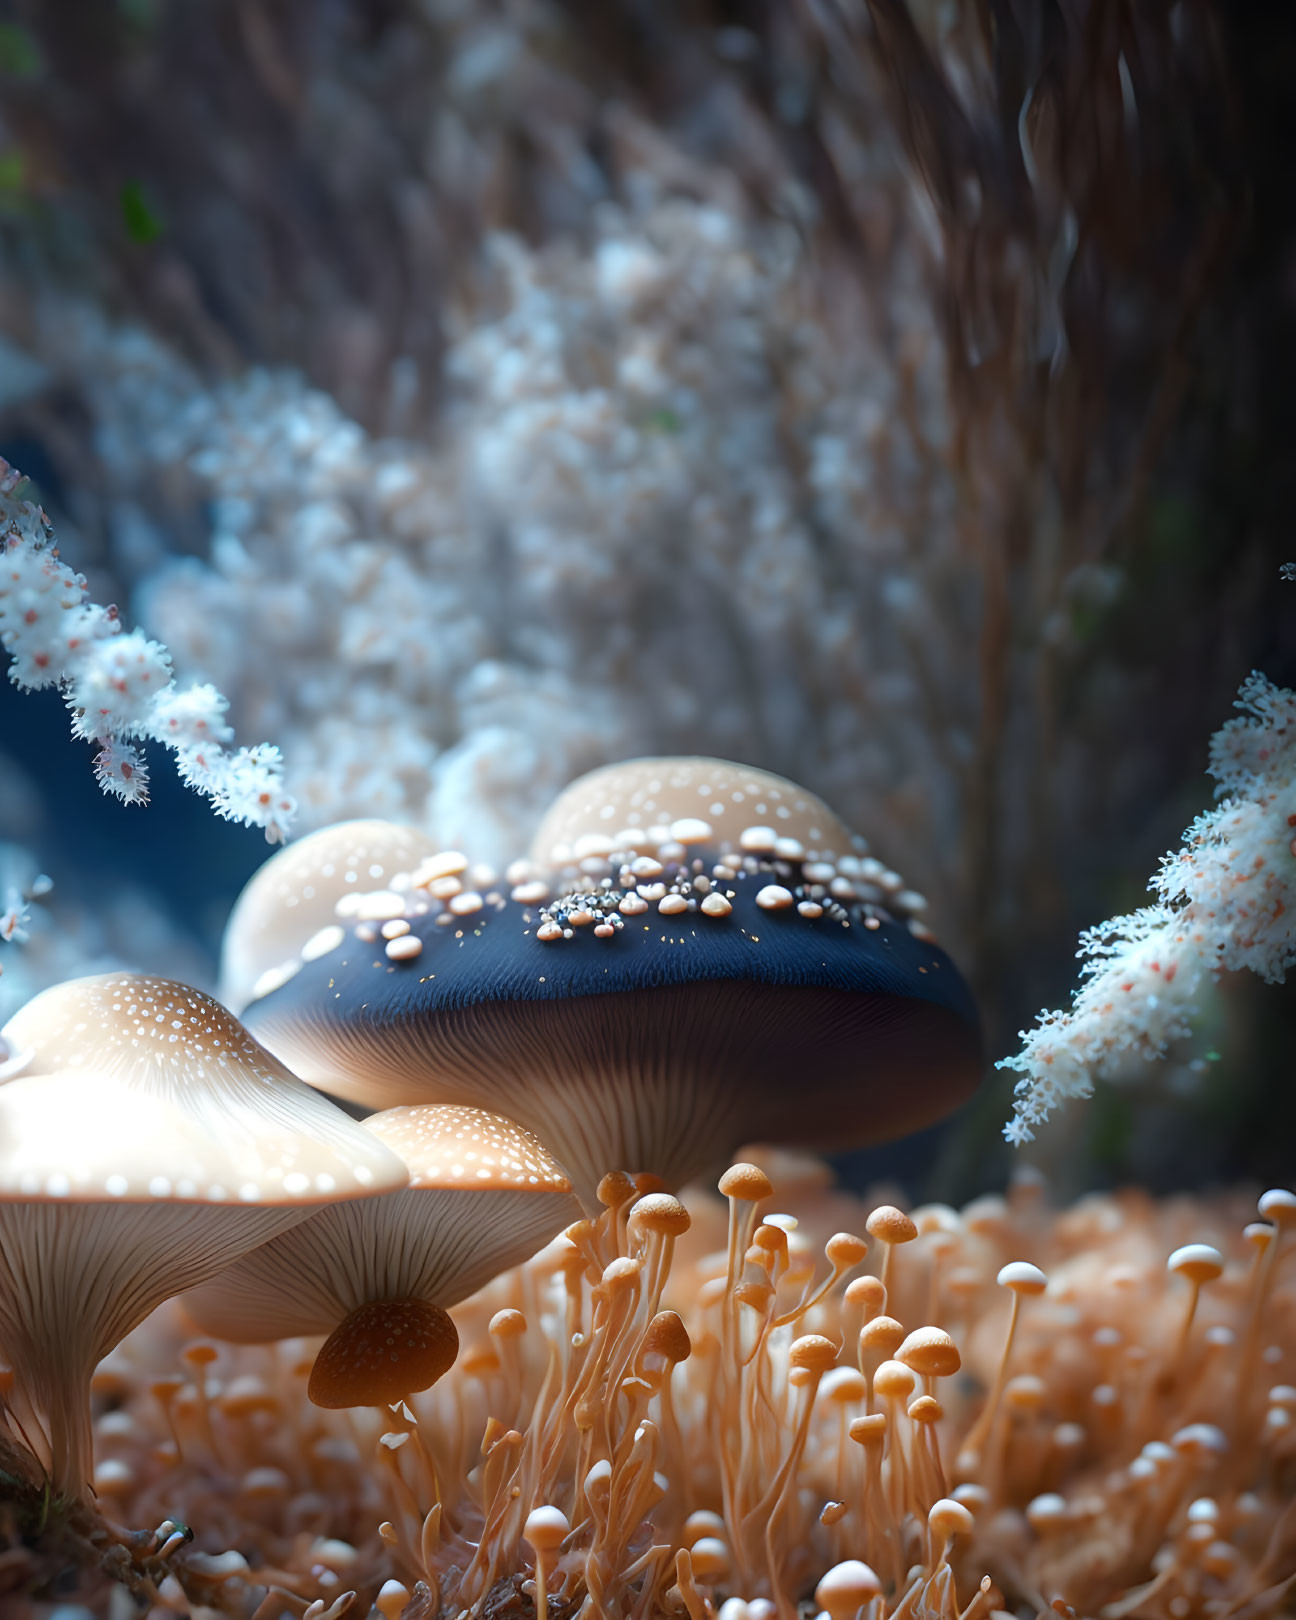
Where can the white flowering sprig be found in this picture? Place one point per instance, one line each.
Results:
(20, 885)
(1226, 900)
(117, 683)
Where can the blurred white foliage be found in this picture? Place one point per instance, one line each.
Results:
(117, 682)
(662, 510)
(1226, 901)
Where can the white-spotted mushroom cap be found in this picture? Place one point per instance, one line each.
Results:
(166, 1042)
(646, 804)
(113, 1198)
(651, 1004)
(483, 1196)
(294, 901)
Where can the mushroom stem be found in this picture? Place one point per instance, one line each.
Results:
(1022, 1279)
(1185, 1327)
(53, 1393)
(970, 1451)
(71, 1435)
(1279, 1207)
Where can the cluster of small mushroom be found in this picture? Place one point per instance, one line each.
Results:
(677, 1407)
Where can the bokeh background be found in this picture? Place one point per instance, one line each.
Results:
(895, 397)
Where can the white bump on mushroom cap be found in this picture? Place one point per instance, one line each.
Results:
(660, 800)
(322, 942)
(166, 1044)
(445, 1145)
(445, 863)
(758, 840)
(293, 895)
(380, 905)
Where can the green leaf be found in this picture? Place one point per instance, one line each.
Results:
(143, 225)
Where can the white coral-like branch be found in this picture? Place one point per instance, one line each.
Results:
(1227, 900)
(118, 684)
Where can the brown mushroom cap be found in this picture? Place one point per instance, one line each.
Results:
(483, 1195)
(296, 893)
(649, 1006)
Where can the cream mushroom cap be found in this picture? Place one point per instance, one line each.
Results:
(112, 1199)
(483, 1196)
(445, 1146)
(648, 803)
(295, 894)
(78, 1137)
(279, 1140)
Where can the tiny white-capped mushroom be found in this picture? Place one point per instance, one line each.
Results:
(545, 1530)
(1021, 1277)
(1197, 1263)
(846, 1588)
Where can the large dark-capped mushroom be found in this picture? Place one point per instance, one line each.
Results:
(694, 954)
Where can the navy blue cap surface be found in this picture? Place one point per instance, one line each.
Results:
(793, 1016)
